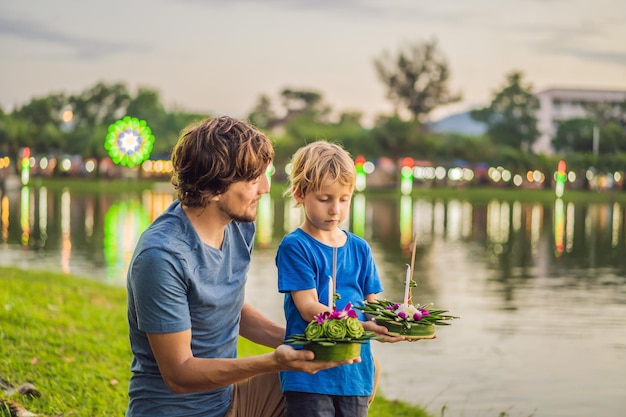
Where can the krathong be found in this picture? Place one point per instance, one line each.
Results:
(412, 321)
(406, 319)
(333, 336)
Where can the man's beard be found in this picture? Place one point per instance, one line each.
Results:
(242, 218)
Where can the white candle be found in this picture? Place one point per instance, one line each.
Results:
(331, 288)
(330, 294)
(407, 284)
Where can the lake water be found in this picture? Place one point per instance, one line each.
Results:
(541, 290)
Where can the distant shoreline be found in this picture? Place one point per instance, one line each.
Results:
(472, 193)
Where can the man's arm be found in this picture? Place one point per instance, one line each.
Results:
(184, 373)
(257, 328)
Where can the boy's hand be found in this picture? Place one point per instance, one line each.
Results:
(383, 332)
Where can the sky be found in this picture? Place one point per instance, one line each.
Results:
(220, 56)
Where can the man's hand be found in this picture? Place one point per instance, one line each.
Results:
(302, 360)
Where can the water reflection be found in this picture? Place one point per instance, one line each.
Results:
(100, 227)
(124, 222)
(538, 287)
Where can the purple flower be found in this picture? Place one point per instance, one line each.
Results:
(425, 313)
(395, 306)
(389, 307)
(402, 315)
(320, 318)
(344, 313)
(417, 316)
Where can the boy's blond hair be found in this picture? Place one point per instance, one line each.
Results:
(318, 162)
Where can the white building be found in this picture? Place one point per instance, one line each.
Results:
(559, 104)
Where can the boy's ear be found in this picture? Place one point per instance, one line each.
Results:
(298, 196)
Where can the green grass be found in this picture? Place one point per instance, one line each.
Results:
(69, 337)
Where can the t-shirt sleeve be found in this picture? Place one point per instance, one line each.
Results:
(159, 292)
(295, 269)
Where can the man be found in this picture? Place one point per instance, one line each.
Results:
(186, 281)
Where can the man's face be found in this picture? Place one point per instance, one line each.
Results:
(241, 200)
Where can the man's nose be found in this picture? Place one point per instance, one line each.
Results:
(265, 185)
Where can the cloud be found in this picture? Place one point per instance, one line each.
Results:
(586, 54)
(390, 9)
(584, 40)
(81, 48)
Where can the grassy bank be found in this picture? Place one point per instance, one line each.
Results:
(68, 337)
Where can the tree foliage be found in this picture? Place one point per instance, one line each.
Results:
(574, 135)
(398, 138)
(39, 124)
(416, 78)
(511, 116)
(298, 116)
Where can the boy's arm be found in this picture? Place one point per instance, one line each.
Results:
(307, 303)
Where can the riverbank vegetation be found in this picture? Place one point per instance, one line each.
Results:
(70, 129)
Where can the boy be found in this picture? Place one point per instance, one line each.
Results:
(322, 181)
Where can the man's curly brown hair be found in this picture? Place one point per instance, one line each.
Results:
(217, 152)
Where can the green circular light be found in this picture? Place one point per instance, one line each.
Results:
(129, 141)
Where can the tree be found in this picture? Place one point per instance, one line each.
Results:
(44, 110)
(263, 115)
(574, 135)
(294, 102)
(473, 149)
(417, 78)
(102, 104)
(511, 116)
(38, 124)
(398, 138)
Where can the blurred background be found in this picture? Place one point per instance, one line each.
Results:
(492, 132)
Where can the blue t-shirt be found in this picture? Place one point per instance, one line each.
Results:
(305, 263)
(176, 283)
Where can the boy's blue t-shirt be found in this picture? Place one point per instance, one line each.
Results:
(176, 283)
(305, 263)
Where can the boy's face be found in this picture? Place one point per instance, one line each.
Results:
(326, 209)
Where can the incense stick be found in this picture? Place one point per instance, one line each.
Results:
(412, 268)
